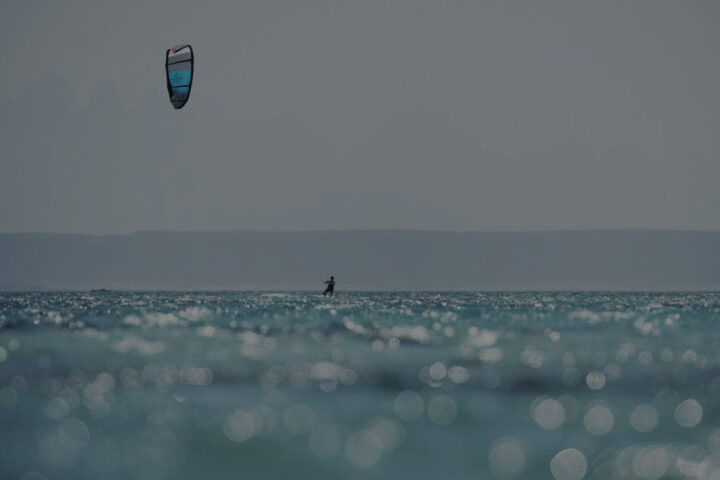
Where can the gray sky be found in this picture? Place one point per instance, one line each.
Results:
(457, 115)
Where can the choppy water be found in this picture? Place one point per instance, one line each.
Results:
(365, 385)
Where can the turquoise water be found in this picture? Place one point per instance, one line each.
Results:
(364, 385)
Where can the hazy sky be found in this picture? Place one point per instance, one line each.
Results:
(460, 115)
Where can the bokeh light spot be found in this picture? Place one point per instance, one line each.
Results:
(408, 405)
(599, 420)
(549, 414)
(442, 410)
(363, 448)
(688, 413)
(644, 418)
(569, 464)
(595, 380)
(506, 458)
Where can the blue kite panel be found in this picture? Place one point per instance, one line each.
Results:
(180, 77)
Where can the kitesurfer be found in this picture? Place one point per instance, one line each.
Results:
(330, 286)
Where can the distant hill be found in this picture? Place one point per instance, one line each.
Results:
(364, 260)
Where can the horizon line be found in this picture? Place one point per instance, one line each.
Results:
(377, 230)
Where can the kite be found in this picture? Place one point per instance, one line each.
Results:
(179, 66)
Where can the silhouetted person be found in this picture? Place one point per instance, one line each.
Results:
(330, 286)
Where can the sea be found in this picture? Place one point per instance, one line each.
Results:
(363, 385)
